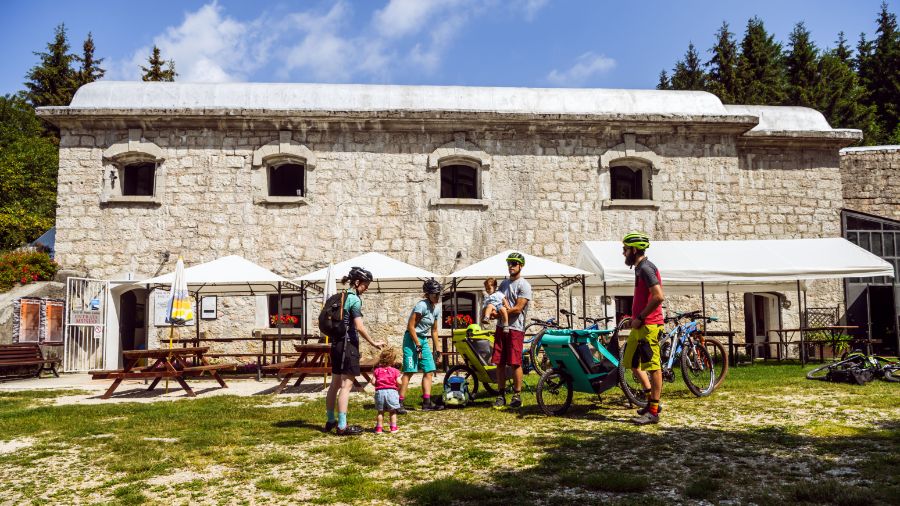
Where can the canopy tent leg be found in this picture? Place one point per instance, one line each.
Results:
(703, 303)
(732, 358)
(800, 300)
(605, 304)
(557, 303)
(868, 314)
(583, 302)
(279, 324)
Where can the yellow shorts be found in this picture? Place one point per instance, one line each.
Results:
(650, 335)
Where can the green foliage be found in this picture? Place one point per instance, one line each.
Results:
(722, 78)
(52, 81)
(25, 267)
(884, 73)
(760, 67)
(688, 73)
(663, 83)
(802, 69)
(156, 72)
(28, 168)
(90, 69)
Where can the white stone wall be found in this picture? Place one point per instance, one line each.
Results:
(371, 190)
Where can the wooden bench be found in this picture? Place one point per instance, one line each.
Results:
(26, 355)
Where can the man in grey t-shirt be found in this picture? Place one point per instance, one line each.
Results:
(508, 342)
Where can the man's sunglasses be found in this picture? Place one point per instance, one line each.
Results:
(513, 262)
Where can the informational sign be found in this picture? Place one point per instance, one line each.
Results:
(208, 307)
(86, 318)
(161, 307)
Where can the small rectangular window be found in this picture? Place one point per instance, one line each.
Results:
(459, 182)
(138, 179)
(291, 305)
(286, 180)
(465, 309)
(29, 321)
(627, 183)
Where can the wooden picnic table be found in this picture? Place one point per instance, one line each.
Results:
(785, 337)
(168, 363)
(312, 360)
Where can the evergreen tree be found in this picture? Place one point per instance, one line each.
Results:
(722, 77)
(839, 94)
(90, 69)
(801, 63)
(688, 73)
(884, 73)
(760, 68)
(663, 83)
(842, 51)
(156, 72)
(52, 81)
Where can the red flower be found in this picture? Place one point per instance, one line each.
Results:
(24, 281)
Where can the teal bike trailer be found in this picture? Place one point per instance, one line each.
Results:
(581, 361)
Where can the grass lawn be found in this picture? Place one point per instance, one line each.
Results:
(767, 436)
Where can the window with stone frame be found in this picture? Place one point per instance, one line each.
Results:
(629, 183)
(465, 305)
(459, 181)
(290, 305)
(286, 179)
(138, 178)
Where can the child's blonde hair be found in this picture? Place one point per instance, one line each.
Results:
(388, 357)
(490, 285)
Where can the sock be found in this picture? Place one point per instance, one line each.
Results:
(342, 420)
(401, 400)
(426, 396)
(654, 408)
(330, 414)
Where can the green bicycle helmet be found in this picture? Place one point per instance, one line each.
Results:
(637, 240)
(515, 256)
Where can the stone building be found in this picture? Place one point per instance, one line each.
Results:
(293, 176)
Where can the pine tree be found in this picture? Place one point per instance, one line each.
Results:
(90, 69)
(884, 73)
(839, 93)
(842, 51)
(663, 83)
(52, 81)
(801, 62)
(156, 72)
(688, 73)
(722, 76)
(760, 67)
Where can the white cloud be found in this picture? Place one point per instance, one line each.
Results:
(404, 17)
(531, 8)
(209, 47)
(586, 66)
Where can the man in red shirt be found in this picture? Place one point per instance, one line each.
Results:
(642, 347)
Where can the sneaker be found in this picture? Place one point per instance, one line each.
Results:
(379, 430)
(330, 426)
(350, 430)
(401, 410)
(430, 406)
(645, 419)
(500, 402)
(646, 409)
(516, 401)
(394, 429)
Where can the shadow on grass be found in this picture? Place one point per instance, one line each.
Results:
(618, 464)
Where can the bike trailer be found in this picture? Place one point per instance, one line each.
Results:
(580, 354)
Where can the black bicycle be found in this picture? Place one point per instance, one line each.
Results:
(856, 364)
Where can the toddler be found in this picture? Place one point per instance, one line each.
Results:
(495, 304)
(387, 397)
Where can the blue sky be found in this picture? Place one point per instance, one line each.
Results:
(532, 43)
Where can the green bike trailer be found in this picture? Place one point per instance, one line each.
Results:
(476, 347)
(581, 355)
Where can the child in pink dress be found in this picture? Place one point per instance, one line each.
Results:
(387, 397)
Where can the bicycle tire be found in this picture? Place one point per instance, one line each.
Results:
(719, 356)
(539, 361)
(552, 383)
(467, 373)
(634, 394)
(891, 373)
(815, 373)
(695, 361)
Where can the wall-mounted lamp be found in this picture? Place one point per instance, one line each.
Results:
(165, 256)
(112, 178)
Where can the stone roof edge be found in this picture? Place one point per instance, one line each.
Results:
(871, 149)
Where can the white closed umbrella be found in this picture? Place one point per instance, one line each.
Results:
(180, 312)
(330, 284)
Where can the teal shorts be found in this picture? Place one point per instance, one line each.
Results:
(412, 361)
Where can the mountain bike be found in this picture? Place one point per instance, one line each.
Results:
(885, 368)
(682, 343)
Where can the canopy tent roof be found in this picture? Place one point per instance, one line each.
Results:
(739, 266)
(230, 275)
(390, 274)
(540, 272)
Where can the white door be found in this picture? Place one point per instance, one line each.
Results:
(85, 335)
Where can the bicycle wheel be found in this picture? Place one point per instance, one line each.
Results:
(539, 360)
(629, 383)
(892, 373)
(719, 359)
(466, 373)
(697, 370)
(554, 393)
(821, 373)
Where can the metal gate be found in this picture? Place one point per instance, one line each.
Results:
(85, 340)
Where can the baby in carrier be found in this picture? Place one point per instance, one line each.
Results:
(495, 304)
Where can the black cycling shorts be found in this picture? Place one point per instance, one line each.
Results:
(344, 358)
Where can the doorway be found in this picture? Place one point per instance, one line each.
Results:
(133, 320)
(761, 315)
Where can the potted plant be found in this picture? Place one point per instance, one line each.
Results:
(286, 321)
(461, 320)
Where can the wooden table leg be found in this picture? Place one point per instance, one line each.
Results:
(155, 382)
(281, 386)
(112, 388)
(185, 386)
(300, 379)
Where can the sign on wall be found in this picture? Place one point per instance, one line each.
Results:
(161, 307)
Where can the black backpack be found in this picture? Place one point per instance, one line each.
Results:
(331, 318)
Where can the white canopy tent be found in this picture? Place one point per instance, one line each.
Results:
(726, 266)
(542, 274)
(389, 274)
